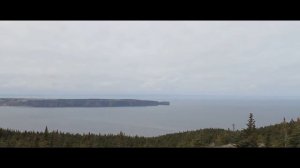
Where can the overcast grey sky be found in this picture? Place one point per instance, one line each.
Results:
(260, 58)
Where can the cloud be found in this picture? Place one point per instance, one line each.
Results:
(123, 57)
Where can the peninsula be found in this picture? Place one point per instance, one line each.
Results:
(29, 102)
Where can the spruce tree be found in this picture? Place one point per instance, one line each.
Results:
(249, 135)
(251, 123)
(46, 132)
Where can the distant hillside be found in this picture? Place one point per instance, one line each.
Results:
(78, 102)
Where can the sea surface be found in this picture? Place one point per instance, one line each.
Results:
(181, 115)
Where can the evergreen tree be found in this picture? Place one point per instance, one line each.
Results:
(251, 123)
(268, 140)
(272, 136)
(249, 135)
(285, 132)
(294, 139)
(46, 132)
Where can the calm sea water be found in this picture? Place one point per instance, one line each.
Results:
(181, 115)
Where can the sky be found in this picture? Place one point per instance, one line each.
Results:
(250, 58)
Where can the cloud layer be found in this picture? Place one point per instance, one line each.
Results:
(155, 57)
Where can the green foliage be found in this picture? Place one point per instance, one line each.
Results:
(251, 123)
(270, 136)
(268, 140)
(249, 137)
(294, 140)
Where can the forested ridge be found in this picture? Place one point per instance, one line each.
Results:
(284, 134)
(27, 102)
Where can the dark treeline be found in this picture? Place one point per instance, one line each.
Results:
(284, 134)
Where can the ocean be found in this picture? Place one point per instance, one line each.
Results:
(181, 115)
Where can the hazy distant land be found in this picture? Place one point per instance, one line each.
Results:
(78, 102)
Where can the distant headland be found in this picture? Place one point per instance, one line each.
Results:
(30, 102)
